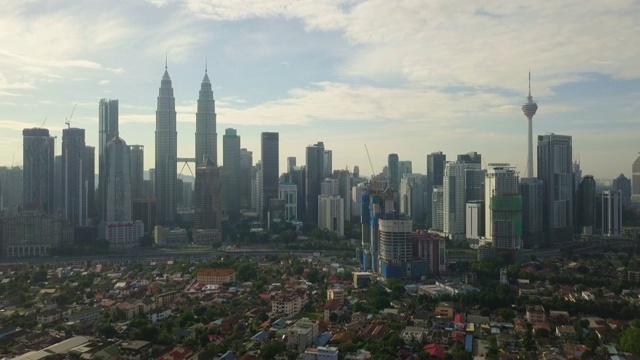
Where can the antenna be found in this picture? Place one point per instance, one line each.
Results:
(205, 64)
(529, 81)
(68, 120)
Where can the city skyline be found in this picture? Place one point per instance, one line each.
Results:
(338, 77)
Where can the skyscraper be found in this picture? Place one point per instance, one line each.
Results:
(454, 205)
(108, 129)
(231, 162)
(503, 209)
(207, 202)
(74, 189)
(206, 136)
(38, 170)
(331, 213)
(136, 173)
(635, 181)
(435, 172)
(291, 163)
(586, 209)
(412, 196)
(89, 180)
(244, 180)
(623, 184)
(611, 213)
(328, 164)
(166, 153)
(270, 157)
(394, 178)
(315, 175)
(532, 192)
(555, 170)
(119, 228)
(529, 109)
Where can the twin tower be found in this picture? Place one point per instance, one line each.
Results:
(166, 155)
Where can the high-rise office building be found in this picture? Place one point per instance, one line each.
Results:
(136, 173)
(38, 169)
(412, 197)
(623, 184)
(394, 178)
(314, 178)
(291, 163)
(270, 157)
(475, 221)
(556, 171)
(11, 185)
(470, 158)
(611, 213)
(529, 109)
(327, 163)
(166, 153)
(635, 181)
(532, 192)
(356, 172)
(503, 209)
(108, 129)
(118, 227)
(329, 186)
(435, 173)
(586, 209)
(344, 190)
(396, 253)
(454, 204)
(289, 193)
(244, 179)
(331, 213)
(89, 180)
(74, 189)
(206, 136)
(231, 162)
(404, 167)
(207, 201)
(437, 208)
(58, 181)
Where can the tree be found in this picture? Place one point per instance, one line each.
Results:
(271, 348)
(107, 330)
(629, 340)
(39, 275)
(333, 317)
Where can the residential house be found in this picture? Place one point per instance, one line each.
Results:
(158, 314)
(559, 317)
(444, 309)
(413, 333)
(566, 332)
(179, 353)
(460, 322)
(332, 306)
(216, 276)
(48, 316)
(135, 350)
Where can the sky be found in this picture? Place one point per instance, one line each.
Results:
(408, 77)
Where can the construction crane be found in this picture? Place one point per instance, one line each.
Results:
(375, 185)
(68, 120)
(45, 120)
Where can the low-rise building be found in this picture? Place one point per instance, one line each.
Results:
(413, 333)
(166, 298)
(321, 353)
(444, 309)
(216, 276)
(289, 304)
(48, 316)
(156, 315)
(535, 314)
(336, 294)
(302, 333)
(88, 315)
(135, 350)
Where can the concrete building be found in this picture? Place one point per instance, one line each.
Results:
(164, 236)
(329, 187)
(623, 184)
(206, 136)
(216, 276)
(37, 170)
(412, 197)
(532, 192)
(314, 176)
(404, 167)
(291, 163)
(331, 213)
(270, 159)
(74, 189)
(208, 212)
(454, 204)
(437, 208)
(585, 217)
(136, 171)
(166, 147)
(89, 180)
(289, 193)
(321, 353)
(302, 334)
(244, 179)
(435, 176)
(611, 213)
(118, 227)
(327, 163)
(11, 187)
(32, 233)
(232, 164)
(635, 181)
(344, 190)
(431, 248)
(503, 208)
(394, 176)
(475, 223)
(395, 248)
(107, 130)
(556, 171)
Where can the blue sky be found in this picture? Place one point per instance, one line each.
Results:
(409, 77)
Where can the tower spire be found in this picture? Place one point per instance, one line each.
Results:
(529, 82)
(166, 60)
(205, 64)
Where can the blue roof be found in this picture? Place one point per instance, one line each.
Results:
(322, 339)
(468, 343)
(260, 336)
(229, 355)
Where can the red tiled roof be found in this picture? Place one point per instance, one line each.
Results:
(435, 350)
(216, 272)
(460, 319)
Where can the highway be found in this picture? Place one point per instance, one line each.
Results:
(147, 256)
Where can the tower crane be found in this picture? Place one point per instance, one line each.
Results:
(68, 120)
(44, 121)
(375, 184)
